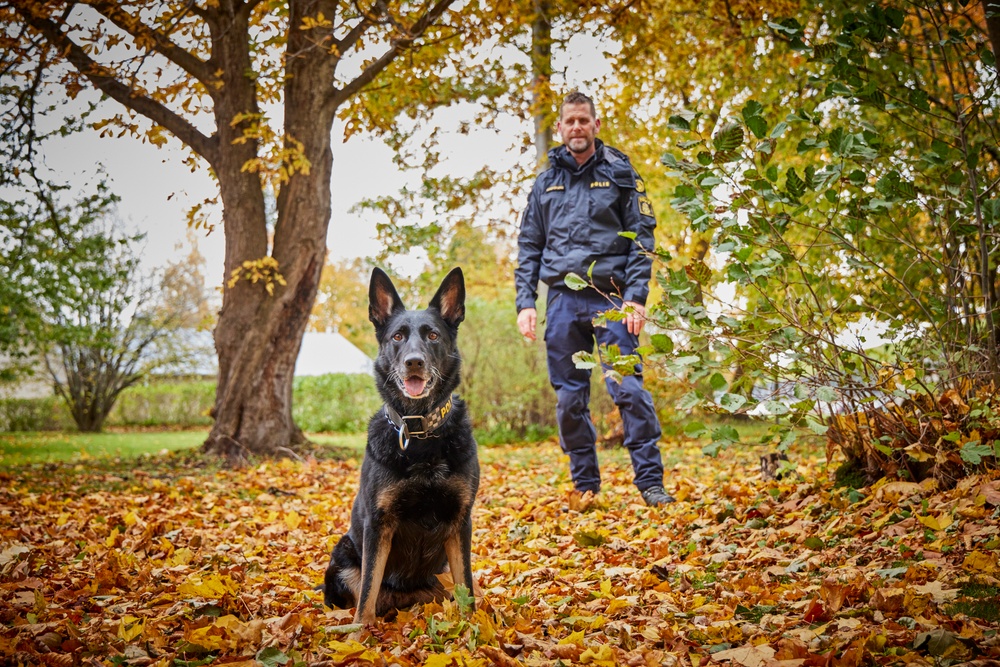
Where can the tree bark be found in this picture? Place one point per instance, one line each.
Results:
(541, 83)
(992, 11)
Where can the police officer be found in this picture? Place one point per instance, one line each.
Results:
(576, 209)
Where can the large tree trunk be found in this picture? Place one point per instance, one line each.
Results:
(259, 334)
(541, 82)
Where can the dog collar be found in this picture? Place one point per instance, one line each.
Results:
(417, 426)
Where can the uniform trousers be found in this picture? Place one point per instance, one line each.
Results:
(569, 329)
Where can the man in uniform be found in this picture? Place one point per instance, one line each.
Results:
(576, 209)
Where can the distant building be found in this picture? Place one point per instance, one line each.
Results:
(327, 352)
(36, 385)
(321, 353)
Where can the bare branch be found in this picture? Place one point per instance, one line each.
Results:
(205, 146)
(341, 95)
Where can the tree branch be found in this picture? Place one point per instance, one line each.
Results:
(246, 9)
(341, 95)
(205, 146)
(352, 37)
(187, 61)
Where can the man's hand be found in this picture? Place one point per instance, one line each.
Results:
(526, 320)
(635, 316)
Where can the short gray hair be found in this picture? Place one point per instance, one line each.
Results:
(576, 97)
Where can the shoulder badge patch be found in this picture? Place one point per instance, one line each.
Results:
(639, 185)
(645, 206)
(555, 188)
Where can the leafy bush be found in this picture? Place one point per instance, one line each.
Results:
(34, 414)
(505, 378)
(165, 403)
(868, 210)
(336, 402)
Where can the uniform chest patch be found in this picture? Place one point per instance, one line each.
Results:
(601, 184)
(555, 188)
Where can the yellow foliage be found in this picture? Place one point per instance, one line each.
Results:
(310, 23)
(211, 586)
(457, 659)
(263, 270)
(573, 638)
(181, 556)
(278, 158)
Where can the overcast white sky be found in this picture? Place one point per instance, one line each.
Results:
(157, 189)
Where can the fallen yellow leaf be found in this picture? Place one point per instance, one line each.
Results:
(939, 522)
(604, 656)
(979, 562)
(130, 627)
(351, 650)
(573, 638)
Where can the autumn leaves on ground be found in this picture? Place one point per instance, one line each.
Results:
(166, 561)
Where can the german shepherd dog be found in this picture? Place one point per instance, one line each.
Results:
(413, 512)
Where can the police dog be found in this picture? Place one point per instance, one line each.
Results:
(413, 512)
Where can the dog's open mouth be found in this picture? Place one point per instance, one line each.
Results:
(416, 386)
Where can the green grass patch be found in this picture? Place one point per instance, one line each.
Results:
(978, 600)
(19, 449)
(972, 589)
(340, 445)
(987, 610)
(49, 447)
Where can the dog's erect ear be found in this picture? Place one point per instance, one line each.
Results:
(450, 298)
(383, 300)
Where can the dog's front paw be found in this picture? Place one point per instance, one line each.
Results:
(363, 618)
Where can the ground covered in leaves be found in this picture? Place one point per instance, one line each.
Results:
(167, 562)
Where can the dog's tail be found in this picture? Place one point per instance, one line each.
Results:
(335, 591)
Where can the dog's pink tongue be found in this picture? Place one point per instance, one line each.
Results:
(414, 385)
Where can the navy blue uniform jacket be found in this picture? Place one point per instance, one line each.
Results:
(573, 218)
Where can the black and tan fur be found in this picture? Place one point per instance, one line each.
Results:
(412, 516)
